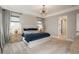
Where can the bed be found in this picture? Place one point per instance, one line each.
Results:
(33, 37)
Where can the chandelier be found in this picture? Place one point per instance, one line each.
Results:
(44, 10)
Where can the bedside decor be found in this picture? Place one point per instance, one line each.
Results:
(16, 37)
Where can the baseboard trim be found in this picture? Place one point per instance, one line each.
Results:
(65, 39)
(70, 40)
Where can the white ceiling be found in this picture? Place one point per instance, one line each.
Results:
(35, 9)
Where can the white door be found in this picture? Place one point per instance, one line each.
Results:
(62, 27)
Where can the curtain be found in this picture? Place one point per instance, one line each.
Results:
(4, 27)
(2, 41)
(6, 23)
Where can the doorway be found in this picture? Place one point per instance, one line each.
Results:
(62, 27)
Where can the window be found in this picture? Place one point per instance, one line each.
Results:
(15, 24)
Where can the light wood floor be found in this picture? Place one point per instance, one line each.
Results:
(54, 46)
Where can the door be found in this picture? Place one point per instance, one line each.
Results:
(62, 27)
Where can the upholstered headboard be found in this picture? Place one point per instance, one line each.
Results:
(30, 29)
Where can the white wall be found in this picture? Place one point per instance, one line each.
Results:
(52, 24)
(71, 24)
(77, 24)
(28, 21)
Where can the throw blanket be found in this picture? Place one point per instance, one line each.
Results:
(35, 36)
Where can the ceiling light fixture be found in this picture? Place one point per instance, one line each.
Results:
(44, 10)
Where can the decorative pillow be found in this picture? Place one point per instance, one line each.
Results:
(29, 32)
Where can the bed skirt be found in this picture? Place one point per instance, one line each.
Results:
(36, 42)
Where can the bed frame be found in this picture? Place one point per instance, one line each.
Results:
(36, 42)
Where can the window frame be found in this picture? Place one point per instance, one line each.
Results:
(19, 22)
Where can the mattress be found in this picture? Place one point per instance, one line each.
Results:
(35, 36)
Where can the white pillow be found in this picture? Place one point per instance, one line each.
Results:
(29, 32)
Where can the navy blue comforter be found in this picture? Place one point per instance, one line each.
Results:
(35, 36)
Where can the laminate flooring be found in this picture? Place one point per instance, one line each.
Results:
(53, 46)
